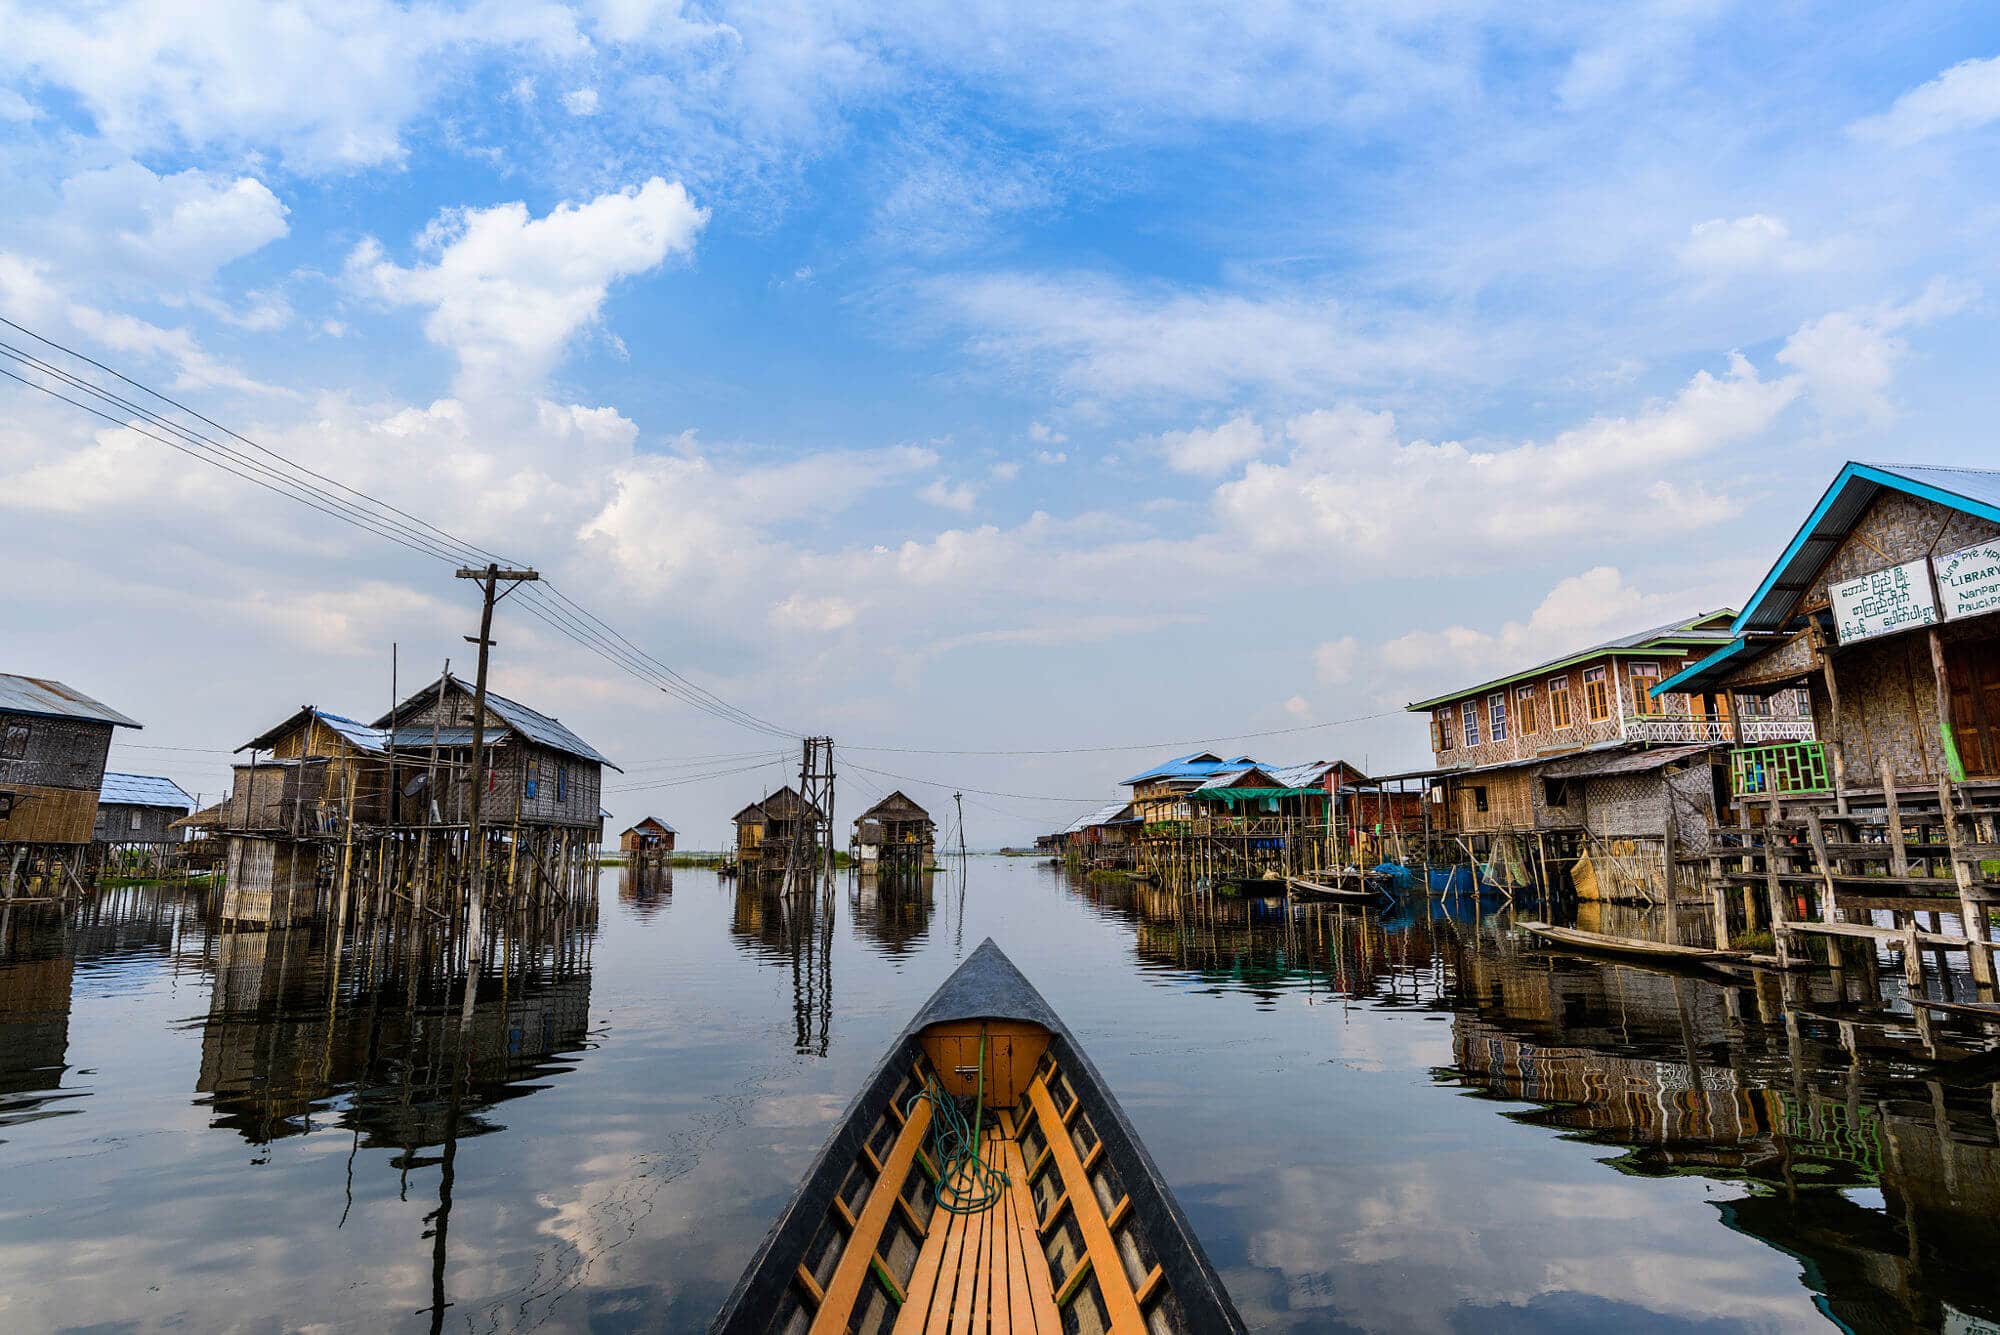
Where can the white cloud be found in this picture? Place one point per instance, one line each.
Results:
(17, 109)
(961, 497)
(327, 83)
(1964, 97)
(1006, 471)
(1299, 707)
(175, 230)
(31, 295)
(1051, 457)
(1579, 611)
(716, 508)
(1334, 661)
(1045, 435)
(1754, 243)
(508, 291)
(580, 101)
(803, 612)
(1850, 358)
(1213, 451)
(1096, 337)
(1350, 482)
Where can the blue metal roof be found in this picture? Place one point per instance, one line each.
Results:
(51, 699)
(1198, 765)
(143, 790)
(1853, 490)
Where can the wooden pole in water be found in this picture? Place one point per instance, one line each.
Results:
(490, 579)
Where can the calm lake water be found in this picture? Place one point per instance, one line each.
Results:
(1379, 1121)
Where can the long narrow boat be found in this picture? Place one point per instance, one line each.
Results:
(983, 1180)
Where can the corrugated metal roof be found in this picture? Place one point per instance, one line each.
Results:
(532, 724)
(1101, 816)
(1198, 765)
(1847, 498)
(143, 790)
(1632, 762)
(539, 727)
(51, 699)
(1673, 633)
(1249, 776)
(654, 821)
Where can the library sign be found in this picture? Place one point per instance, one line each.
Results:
(1970, 580)
(1884, 602)
(1901, 597)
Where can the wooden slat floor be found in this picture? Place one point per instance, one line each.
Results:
(980, 1273)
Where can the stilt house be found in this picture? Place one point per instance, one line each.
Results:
(1161, 793)
(895, 831)
(1884, 612)
(764, 830)
(1579, 754)
(649, 837)
(134, 809)
(53, 744)
(537, 772)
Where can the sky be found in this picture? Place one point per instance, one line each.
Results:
(1016, 393)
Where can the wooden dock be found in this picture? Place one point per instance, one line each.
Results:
(1627, 945)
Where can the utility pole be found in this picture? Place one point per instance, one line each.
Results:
(959, 799)
(489, 579)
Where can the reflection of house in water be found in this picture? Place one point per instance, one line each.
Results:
(274, 1052)
(647, 886)
(789, 929)
(893, 911)
(34, 1020)
(40, 951)
(1681, 1073)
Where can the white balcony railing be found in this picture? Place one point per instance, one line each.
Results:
(1778, 730)
(1687, 728)
(1676, 728)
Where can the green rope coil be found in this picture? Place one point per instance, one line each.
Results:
(967, 1184)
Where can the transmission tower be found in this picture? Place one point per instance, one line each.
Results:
(811, 854)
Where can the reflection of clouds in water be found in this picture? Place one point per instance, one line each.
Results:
(1411, 1240)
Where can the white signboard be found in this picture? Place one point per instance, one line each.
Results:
(1970, 580)
(1884, 601)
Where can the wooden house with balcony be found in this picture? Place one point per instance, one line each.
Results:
(1580, 754)
(1883, 612)
(1160, 794)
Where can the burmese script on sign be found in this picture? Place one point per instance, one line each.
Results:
(1970, 580)
(1884, 601)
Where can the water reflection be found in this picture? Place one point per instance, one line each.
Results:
(892, 908)
(377, 1045)
(1868, 1141)
(647, 888)
(787, 927)
(1393, 1118)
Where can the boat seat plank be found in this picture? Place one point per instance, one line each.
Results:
(1037, 1298)
(946, 1292)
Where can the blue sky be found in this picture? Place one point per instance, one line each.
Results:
(970, 377)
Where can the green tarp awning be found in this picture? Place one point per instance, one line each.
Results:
(1252, 794)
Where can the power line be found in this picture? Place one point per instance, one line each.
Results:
(557, 610)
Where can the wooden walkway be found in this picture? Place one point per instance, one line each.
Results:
(984, 1272)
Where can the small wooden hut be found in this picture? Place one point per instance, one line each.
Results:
(895, 832)
(651, 837)
(765, 829)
